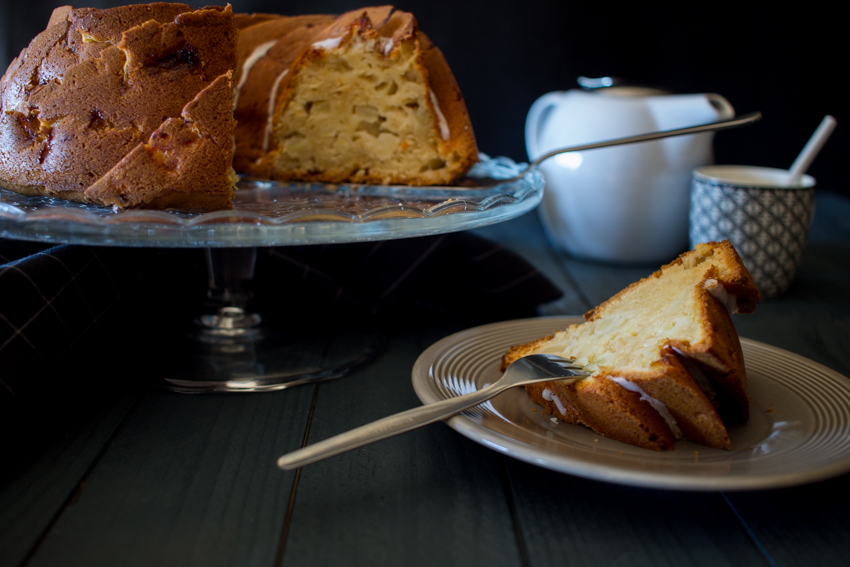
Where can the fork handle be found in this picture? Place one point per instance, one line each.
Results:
(386, 427)
(710, 127)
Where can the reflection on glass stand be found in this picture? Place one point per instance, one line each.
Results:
(230, 349)
(231, 271)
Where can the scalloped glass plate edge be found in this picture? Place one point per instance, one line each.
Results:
(261, 220)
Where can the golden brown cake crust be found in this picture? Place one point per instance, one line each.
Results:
(180, 155)
(94, 86)
(735, 276)
(451, 102)
(608, 409)
(697, 381)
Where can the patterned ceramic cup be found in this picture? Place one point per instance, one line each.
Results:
(766, 221)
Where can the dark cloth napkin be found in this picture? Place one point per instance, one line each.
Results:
(65, 310)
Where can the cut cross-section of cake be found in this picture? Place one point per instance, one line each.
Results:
(364, 97)
(665, 355)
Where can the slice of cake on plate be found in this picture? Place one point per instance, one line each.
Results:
(665, 356)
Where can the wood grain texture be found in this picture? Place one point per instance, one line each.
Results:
(805, 525)
(586, 523)
(427, 497)
(38, 481)
(812, 319)
(189, 480)
(524, 235)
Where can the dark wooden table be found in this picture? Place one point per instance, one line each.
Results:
(148, 477)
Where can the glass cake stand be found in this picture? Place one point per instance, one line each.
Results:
(228, 348)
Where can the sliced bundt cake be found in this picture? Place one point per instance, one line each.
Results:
(134, 106)
(665, 356)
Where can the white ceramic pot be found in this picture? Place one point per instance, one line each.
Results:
(625, 204)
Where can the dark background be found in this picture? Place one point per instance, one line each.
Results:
(785, 60)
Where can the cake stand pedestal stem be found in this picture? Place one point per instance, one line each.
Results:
(231, 273)
(229, 349)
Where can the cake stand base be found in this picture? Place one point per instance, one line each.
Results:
(237, 355)
(229, 349)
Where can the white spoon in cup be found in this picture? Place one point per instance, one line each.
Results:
(810, 151)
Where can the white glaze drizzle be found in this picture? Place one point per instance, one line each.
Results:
(259, 51)
(270, 116)
(551, 397)
(326, 44)
(444, 125)
(387, 46)
(717, 289)
(656, 405)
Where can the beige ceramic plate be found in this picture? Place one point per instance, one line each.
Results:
(795, 435)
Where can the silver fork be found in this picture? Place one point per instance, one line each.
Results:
(527, 370)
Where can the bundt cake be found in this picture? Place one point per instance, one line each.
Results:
(134, 106)
(127, 106)
(665, 356)
(364, 98)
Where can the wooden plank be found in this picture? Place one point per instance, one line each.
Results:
(581, 522)
(39, 478)
(428, 497)
(524, 236)
(585, 283)
(189, 480)
(798, 526)
(806, 525)
(597, 282)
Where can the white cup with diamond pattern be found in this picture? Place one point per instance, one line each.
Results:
(753, 207)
